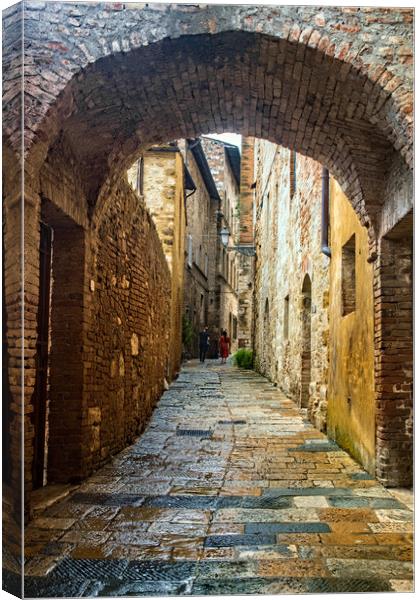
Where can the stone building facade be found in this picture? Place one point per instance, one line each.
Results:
(246, 240)
(201, 244)
(191, 188)
(315, 324)
(292, 277)
(225, 165)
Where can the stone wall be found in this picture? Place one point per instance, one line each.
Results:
(158, 178)
(126, 354)
(246, 237)
(245, 301)
(393, 290)
(335, 334)
(109, 324)
(288, 242)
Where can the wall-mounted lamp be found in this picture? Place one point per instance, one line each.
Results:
(224, 236)
(246, 250)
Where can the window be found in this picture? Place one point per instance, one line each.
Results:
(235, 328)
(286, 318)
(206, 265)
(292, 173)
(190, 250)
(348, 276)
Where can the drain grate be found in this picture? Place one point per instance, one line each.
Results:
(192, 502)
(103, 499)
(232, 422)
(314, 447)
(202, 433)
(156, 570)
(90, 568)
(338, 585)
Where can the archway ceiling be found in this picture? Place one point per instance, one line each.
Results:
(236, 81)
(333, 83)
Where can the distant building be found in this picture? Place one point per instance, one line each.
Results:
(224, 161)
(192, 190)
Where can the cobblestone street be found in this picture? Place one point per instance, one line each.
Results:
(228, 491)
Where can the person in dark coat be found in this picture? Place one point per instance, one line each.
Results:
(204, 343)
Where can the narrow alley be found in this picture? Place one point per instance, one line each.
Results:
(229, 490)
(207, 184)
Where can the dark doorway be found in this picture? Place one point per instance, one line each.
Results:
(39, 415)
(58, 389)
(306, 341)
(6, 396)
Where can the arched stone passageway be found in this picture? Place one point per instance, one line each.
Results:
(112, 80)
(159, 73)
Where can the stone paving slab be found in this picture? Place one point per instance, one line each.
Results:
(228, 491)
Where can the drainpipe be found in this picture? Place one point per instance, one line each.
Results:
(325, 220)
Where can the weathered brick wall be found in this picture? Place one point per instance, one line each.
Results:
(126, 348)
(161, 177)
(12, 364)
(394, 355)
(288, 241)
(66, 380)
(247, 191)
(246, 236)
(109, 319)
(360, 380)
(245, 301)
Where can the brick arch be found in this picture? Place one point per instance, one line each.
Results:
(317, 80)
(245, 82)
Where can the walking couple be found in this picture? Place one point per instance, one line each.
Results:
(224, 344)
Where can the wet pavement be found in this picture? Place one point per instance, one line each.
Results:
(229, 491)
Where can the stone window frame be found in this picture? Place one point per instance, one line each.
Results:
(348, 276)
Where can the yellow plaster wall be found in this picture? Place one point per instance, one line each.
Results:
(351, 402)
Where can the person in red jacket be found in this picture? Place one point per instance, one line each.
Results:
(224, 346)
